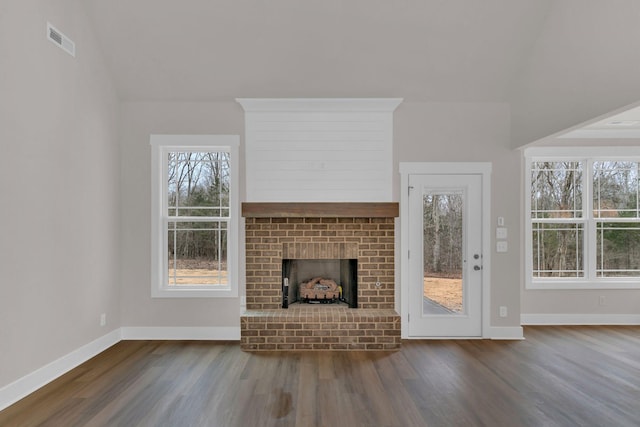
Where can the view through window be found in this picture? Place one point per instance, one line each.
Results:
(197, 218)
(194, 219)
(584, 219)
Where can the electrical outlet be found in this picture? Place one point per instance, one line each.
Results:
(503, 311)
(502, 246)
(103, 319)
(602, 301)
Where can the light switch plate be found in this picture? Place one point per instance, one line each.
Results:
(501, 233)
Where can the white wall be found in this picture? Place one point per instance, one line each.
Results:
(75, 203)
(583, 65)
(422, 132)
(581, 306)
(473, 132)
(59, 188)
(138, 121)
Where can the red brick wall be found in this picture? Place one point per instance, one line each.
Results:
(323, 327)
(370, 239)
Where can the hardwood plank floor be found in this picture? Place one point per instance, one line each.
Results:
(558, 376)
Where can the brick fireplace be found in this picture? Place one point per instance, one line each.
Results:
(320, 231)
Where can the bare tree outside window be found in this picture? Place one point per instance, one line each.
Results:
(198, 186)
(443, 249)
(608, 220)
(556, 207)
(615, 208)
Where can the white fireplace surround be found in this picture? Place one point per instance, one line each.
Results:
(319, 149)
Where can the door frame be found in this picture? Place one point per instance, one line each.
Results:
(445, 168)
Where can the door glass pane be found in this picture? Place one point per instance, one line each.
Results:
(443, 291)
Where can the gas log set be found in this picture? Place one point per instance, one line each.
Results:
(320, 290)
(317, 290)
(320, 281)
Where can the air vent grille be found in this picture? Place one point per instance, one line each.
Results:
(60, 40)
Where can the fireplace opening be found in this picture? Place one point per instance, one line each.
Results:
(317, 281)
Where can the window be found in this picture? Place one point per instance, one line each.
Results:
(194, 215)
(583, 227)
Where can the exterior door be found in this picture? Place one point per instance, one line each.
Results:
(445, 255)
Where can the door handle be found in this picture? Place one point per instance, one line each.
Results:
(477, 267)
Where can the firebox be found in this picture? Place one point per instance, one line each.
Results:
(318, 281)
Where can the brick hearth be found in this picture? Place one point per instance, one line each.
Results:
(320, 231)
(320, 328)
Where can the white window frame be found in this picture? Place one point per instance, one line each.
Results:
(587, 155)
(160, 146)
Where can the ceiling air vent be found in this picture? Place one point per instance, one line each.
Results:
(60, 40)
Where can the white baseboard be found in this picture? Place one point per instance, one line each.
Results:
(580, 319)
(215, 333)
(506, 333)
(26, 385)
(494, 333)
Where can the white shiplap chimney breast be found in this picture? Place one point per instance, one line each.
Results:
(319, 150)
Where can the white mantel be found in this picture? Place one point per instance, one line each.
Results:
(319, 149)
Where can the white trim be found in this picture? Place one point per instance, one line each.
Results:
(37, 379)
(31, 382)
(493, 333)
(457, 168)
(582, 152)
(579, 319)
(202, 333)
(570, 284)
(319, 104)
(506, 333)
(448, 168)
(586, 155)
(158, 140)
(404, 249)
(601, 134)
(439, 338)
(159, 145)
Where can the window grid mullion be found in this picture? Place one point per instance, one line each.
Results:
(175, 218)
(589, 257)
(600, 220)
(175, 257)
(166, 220)
(538, 245)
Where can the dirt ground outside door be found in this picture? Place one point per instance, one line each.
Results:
(446, 292)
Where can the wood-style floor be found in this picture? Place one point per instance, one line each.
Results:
(558, 376)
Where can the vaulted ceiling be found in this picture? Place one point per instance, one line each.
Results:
(561, 64)
(212, 50)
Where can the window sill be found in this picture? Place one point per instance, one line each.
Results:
(584, 284)
(195, 293)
